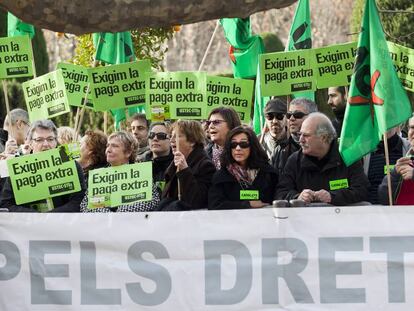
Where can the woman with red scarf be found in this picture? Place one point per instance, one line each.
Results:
(245, 179)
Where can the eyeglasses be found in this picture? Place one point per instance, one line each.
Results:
(241, 144)
(271, 116)
(160, 135)
(214, 122)
(42, 140)
(296, 114)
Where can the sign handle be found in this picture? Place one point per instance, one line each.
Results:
(6, 99)
(177, 144)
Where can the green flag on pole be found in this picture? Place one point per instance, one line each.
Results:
(300, 35)
(116, 48)
(15, 27)
(376, 99)
(245, 49)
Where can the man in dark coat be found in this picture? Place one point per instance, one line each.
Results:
(43, 136)
(299, 109)
(316, 173)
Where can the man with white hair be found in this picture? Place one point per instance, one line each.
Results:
(317, 173)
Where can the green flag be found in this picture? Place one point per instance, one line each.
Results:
(115, 48)
(376, 99)
(245, 48)
(15, 27)
(259, 104)
(300, 35)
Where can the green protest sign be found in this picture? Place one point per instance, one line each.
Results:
(42, 175)
(16, 57)
(118, 86)
(285, 73)
(176, 95)
(403, 59)
(234, 93)
(334, 64)
(125, 184)
(76, 82)
(72, 150)
(46, 96)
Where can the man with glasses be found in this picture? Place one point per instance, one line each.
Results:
(42, 136)
(317, 173)
(299, 109)
(275, 134)
(17, 131)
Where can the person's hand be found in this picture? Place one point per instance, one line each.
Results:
(323, 196)
(257, 204)
(406, 172)
(401, 162)
(11, 146)
(26, 149)
(179, 161)
(307, 196)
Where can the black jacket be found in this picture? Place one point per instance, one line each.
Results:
(301, 172)
(159, 165)
(282, 152)
(68, 203)
(225, 191)
(195, 181)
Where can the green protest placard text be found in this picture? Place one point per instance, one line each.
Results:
(285, 73)
(16, 57)
(46, 96)
(118, 185)
(334, 64)
(42, 175)
(338, 184)
(249, 194)
(76, 82)
(176, 95)
(234, 93)
(119, 86)
(403, 59)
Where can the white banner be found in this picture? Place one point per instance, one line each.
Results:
(353, 258)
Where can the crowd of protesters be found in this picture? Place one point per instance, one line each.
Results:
(222, 164)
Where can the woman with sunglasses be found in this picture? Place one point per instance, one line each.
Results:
(160, 152)
(220, 121)
(188, 177)
(245, 179)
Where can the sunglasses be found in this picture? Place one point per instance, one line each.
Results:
(241, 144)
(296, 114)
(160, 136)
(214, 122)
(271, 116)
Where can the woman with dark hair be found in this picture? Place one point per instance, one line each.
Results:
(220, 121)
(245, 179)
(121, 149)
(188, 177)
(92, 151)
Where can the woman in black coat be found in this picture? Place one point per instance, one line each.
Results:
(245, 179)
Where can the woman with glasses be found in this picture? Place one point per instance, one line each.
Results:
(160, 152)
(188, 177)
(245, 179)
(121, 149)
(220, 121)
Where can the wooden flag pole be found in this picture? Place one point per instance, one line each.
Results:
(263, 132)
(177, 146)
(76, 118)
(106, 122)
(6, 99)
(387, 163)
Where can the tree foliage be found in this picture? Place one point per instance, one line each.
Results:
(398, 26)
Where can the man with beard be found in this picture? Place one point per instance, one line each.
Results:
(139, 127)
(299, 109)
(337, 97)
(275, 118)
